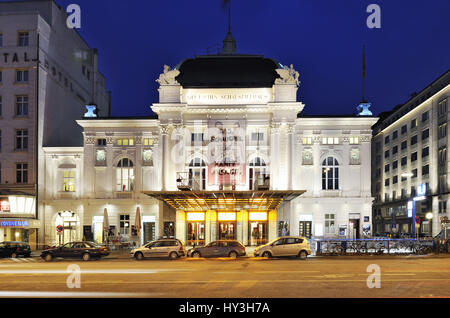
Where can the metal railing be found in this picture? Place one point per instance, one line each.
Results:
(374, 246)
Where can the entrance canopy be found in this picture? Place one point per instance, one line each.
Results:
(225, 200)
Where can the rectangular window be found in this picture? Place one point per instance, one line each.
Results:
(442, 131)
(404, 144)
(22, 139)
(414, 156)
(394, 179)
(394, 195)
(442, 159)
(394, 150)
(404, 161)
(442, 108)
(330, 223)
(386, 182)
(124, 224)
(414, 123)
(354, 140)
(257, 136)
(69, 181)
(425, 170)
(413, 140)
(22, 76)
(386, 140)
(148, 142)
(197, 137)
(1, 76)
(425, 134)
(125, 142)
(386, 197)
(442, 206)
(21, 172)
(395, 135)
(425, 116)
(395, 164)
(404, 129)
(23, 39)
(425, 152)
(386, 154)
(330, 141)
(386, 168)
(414, 172)
(101, 142)
(22, 105)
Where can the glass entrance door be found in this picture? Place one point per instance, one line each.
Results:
(227, 230)
(196, 233)
(98, 232)
(305, 229)
(257, 233)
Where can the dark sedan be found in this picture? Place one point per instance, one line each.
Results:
(222, 248)
(14, 249)
(83, 250)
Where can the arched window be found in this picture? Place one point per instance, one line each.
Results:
(330, 174)
(125, 175)
(257, 173)
(197, 174)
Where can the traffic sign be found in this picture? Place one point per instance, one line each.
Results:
(417, 219)
(59, 228)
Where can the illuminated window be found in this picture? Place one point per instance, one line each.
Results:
(330, 141)
(258, 174)
(197, 174)
(354, 140)
(307, 140)
(69, 181)
(330, 223)
(124, 225)
(125, 175)
(257, 136)
(125, 142)
(148, 142)
(330, 174)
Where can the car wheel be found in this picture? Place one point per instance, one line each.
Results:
(303, 255)
(196, 255)
(86, 257)
(233, 254)
(13, 255)
(267, 254)
(173, 255)
(48, 257)
(139, 256)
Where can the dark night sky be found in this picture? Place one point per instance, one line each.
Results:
(323, 39)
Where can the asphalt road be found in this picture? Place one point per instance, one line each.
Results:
(247, 277)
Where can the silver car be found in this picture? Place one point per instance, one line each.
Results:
(171, 248)
(285, 246)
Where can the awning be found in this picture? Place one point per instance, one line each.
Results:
(225, 200)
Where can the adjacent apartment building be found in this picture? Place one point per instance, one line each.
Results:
(410, 165)
(48, 73)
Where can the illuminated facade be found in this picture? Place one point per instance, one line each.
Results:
(229, 157)
(47, 74)
(409, 153)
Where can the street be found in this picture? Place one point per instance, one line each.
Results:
(245, 277)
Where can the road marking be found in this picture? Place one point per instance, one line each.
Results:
(31, 294)
(112, 271)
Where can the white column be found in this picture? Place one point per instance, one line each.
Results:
(164, 155)
(290, 160)
(274, 155)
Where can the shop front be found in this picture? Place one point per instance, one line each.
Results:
(257, 228)
(67, 227)
(195, 222)
(226, 225)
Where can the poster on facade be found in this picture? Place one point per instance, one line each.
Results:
(342, 230)
(226, 153)
(283, 228)
(366, 230)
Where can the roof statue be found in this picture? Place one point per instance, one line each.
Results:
(168, 77)
(288, 75)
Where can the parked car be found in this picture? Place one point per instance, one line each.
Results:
(285, 246)
(84, 250)
(15, 249)
(171, 248)
(221, 248)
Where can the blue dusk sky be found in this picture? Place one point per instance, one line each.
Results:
(323, 39)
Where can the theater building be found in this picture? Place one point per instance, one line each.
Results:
(229, 156)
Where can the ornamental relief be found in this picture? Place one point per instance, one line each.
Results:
(89, 140)
(307, 156)
(355, 156)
